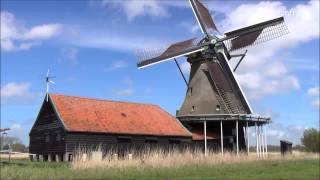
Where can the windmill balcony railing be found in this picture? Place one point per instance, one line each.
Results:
(251, 118)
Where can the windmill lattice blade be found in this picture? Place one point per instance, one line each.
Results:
(256, 34)
(48, 72)
(205, 16)
(151, 56)
(245, 40)
(52, 82)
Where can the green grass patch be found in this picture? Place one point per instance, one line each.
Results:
(278, 169)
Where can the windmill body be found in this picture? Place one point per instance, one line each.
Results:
(212, 87)
(214, 96)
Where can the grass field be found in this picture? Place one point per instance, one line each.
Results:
(261, 169)
(278, 169)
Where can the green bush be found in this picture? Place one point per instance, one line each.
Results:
(311, 140)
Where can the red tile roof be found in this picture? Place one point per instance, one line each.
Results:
(199, 135)
(91, 115)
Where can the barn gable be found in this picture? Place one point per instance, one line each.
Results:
(48, 118)
(48, 132)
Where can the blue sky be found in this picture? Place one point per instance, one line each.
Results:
(89, 46)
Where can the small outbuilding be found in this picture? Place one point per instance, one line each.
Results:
(67, 123)
(285, 147)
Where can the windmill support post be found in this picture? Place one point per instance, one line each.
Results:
(257, 141)
(260, 142)
(221, 137)
(237, 129)
(205, 137)
(264, 143)
(265, 139)
(184, 78)
(247, 133)
(244, 129)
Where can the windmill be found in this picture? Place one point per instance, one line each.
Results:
(213, 91)
(48, 82)
(4, 129)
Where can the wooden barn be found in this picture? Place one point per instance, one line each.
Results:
(67, 123)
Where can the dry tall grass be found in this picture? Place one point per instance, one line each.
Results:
(5, 156)
(159, 158)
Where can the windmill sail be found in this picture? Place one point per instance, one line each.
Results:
(150, 57)
(203, 16)
(255, 34)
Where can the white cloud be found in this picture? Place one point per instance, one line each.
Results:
(315, 91)
(17, 130)
(262, 72)
(185, 68)
(70, 54)
(192, 27)
(117, 65)
(45, 31)
(135, 8)
(128, 91)
(268, 81)
(115, 41)
(316, 103)
(17, 37)
(277, 131)
(16, 92)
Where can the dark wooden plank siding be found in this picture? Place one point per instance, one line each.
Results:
(47, 135)
(77, 140)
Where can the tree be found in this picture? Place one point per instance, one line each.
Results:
(13, 142)
(311, 140)
(18, 147)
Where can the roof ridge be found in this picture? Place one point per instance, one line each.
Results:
(105, 100)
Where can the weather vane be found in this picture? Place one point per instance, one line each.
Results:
(48, 82)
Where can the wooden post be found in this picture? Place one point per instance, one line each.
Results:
(260, 143)
(66, 157)
(257, 142)
(221, 137)
(57, 157)
(41, 157)
(237, 129)
(262, 139)
(248, 142)
(205, 137)
(265, 139)
(49, 158)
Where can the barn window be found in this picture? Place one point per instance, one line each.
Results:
(218, 108)
(124, 139)
(174, 141)
(47, 138)
(190, 91)
(58, 137)
(151, 141)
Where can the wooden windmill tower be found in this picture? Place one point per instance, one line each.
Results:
(214, 101)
